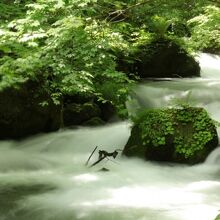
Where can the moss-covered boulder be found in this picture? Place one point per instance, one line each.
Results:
(27, 111)
(161, 58)
(182, 135)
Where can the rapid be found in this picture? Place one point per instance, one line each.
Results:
(45, 177)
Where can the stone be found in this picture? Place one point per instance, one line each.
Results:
(185, 135)
(95, 121)
(22, 112)
(77, 113)
(161, 58)
(86, 110)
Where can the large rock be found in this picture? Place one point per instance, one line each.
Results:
(23, 113)
(184, 135)
(77, 113)
(29, 110)
(86, 110)
(160, 59)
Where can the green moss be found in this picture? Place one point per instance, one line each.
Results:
(188, 129)
(155, 125)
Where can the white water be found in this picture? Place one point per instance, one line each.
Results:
(132, 190)
(210, 65)
(204, 91)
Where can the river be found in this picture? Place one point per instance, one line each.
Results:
(45, 178)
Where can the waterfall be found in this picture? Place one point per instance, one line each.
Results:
(209, 64)
(45, 177)
(203, 92)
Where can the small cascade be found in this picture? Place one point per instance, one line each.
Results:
(203, 92)
(214, 157)
(210, 65)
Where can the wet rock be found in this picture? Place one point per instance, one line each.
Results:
(108, 111)
(95, 121)
(26, 111)
(77, 113)
(173, 135)
(86, 110)
(29, 110)
(160, 59)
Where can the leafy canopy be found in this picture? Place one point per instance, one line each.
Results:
(72, 46)
(205, 29)
(59, 45)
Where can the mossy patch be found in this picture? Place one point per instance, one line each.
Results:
(185, 134)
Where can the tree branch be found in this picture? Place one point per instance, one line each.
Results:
(122, 11)
(91, 155)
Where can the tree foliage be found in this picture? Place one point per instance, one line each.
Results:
(205, 29)
(71, 46)
(64, 50)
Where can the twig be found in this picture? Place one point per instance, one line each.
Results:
(91, 156)
(99, 160)
(104, 154)
(122, 11)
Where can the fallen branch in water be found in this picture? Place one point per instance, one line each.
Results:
(102, 155)
(91, 155)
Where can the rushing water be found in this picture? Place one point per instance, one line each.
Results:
(45, 177)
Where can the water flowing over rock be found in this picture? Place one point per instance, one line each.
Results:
(45, 177)
(209, 64)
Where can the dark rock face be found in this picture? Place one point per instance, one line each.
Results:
(185, 137)
(76, 114)
(108, 111)
(95, 121)
(87, 111)
(160, 59)
(28, 110)
(168, 60)
(21, 113)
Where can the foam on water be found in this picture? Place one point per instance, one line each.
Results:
(45, 177)
(210, 65)
(133, 189)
